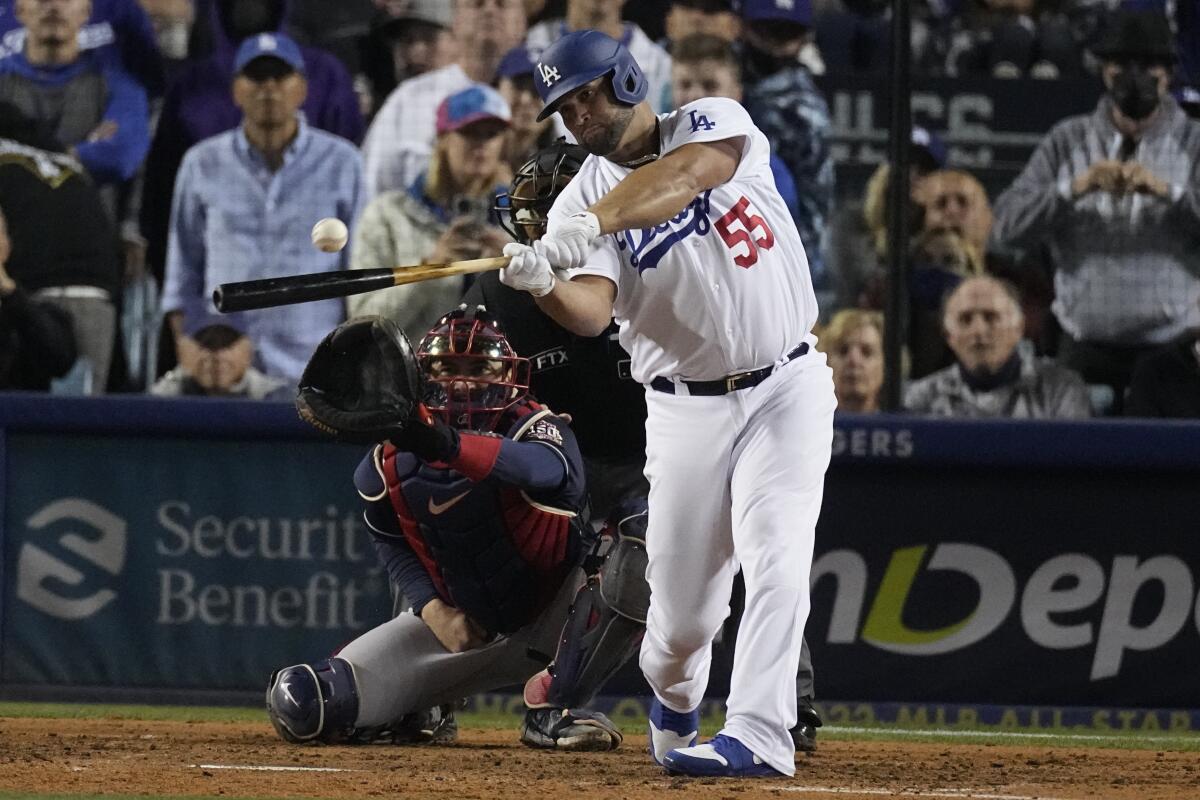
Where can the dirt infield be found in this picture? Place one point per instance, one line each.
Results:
(172, 758)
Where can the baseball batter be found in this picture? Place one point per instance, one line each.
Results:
(588, 377)
(673, 227)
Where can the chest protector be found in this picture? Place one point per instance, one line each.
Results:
(491, 551)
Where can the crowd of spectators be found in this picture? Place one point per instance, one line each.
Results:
(180, 144)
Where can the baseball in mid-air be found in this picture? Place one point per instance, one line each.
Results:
(330, 234)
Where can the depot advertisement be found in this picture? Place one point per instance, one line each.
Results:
(1007, 584)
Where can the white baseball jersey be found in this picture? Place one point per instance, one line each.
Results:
(721, 288)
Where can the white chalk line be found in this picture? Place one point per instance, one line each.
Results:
(1077, 737)
(264, 768)
(952, 794)
(957, 794)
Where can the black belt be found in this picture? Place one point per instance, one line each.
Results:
(730, 383)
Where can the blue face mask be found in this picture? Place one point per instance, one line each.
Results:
(928, 285)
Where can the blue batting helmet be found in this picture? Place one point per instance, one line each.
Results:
(583, 56)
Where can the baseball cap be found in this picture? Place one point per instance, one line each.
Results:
(435, 12)
(931, 143)
(477, 102)
(197, 320)
(269, 45)
(1136, 34)
(797, 11)
(431, 12)
(517, 62)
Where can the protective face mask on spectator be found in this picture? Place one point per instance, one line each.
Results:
(1135, 91)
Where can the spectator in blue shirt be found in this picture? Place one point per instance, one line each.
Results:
(246, 200)
(93, 108)
(197, 104)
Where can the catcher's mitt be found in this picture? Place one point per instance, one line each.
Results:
(362, 383)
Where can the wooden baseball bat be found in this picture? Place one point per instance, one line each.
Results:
(268, 292)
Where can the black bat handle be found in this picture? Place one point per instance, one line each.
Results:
(268, 292)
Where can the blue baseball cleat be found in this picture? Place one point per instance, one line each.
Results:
(722, 757)
(670, 730)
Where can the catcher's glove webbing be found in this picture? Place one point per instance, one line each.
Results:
(362, 383)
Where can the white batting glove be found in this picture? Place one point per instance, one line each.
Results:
(568, 247)
(527, 271)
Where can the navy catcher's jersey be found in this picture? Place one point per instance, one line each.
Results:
(493, 534)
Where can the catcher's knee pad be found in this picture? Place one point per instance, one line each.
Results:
(314, 702)
(607, 618)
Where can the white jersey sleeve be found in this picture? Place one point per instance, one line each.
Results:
(715, 119)
(579, 195)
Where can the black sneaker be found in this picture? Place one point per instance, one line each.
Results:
(563, 729)
(804, 735)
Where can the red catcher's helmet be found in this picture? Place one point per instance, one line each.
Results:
(472, 374)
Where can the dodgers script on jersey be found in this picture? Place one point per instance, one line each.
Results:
(721, 288)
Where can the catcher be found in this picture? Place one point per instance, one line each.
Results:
(473, 496)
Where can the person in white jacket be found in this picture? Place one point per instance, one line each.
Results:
(444, 216)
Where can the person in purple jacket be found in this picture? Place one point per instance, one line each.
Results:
(199, 105)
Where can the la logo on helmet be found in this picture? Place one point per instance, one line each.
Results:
(549, 74)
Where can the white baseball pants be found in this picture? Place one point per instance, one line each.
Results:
(736, 479)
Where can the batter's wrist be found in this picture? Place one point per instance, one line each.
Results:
(599, 224)
(549, 288)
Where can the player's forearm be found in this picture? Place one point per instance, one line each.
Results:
(406, 572)
(582, 306)
(648, 196)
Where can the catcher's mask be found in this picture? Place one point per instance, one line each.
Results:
(472, 374)
(362, 382)
(523, 209)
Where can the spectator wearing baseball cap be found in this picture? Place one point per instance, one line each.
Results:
(787, 106)
(514, 80)
(444, 215)
(221, 365)
(274, 49)
(405, 41)
(1113, 195)
(399, 144)
(245, 201)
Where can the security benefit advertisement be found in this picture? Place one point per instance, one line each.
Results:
(173, 563)
(1007, 584)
